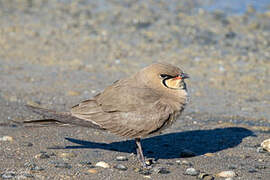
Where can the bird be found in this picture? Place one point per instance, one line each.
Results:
(134, 107)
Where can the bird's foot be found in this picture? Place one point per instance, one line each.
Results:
(147, 164)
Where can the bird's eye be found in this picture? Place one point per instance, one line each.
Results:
(163, 76)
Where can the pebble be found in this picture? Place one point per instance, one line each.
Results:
(92, 171)
(33, 166)
(42, 155)
(37, 168)
(8, 175)
(229, 178)
(169, 163)
(25, 176)
(13, 98)
(136, 169)
(145, 172)
(252, 170)
(102, 164)
(208, 178)
(120, 167)
(86, 163)
(260, 150)
(148, 177)
(6, 138)
(259, 166)
(191, 172)
(121, 158)
(187, 153)
(149, 162)
(204, 176)
(178, 162)
(232, 167)
(209, 154)
(184, 162)
(266, 145)
(160, 170)
(226, 174)
(26, 144)
(62, 165)
(73, 93)
(66, 155)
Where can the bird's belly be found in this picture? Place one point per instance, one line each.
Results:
(173, 117)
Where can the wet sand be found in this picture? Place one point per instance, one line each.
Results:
(57, 53)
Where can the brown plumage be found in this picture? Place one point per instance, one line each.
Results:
(135, 107)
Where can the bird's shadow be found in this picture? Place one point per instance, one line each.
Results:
(168, 146)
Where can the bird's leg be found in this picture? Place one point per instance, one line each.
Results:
(140, 152)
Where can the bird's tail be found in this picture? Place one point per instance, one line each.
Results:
(52, 117)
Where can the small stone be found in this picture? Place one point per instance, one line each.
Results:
(178, 162)
(73, 93)
(62, 165)
(226, 174)
(33, 166)
(32, 103)
(145, 172)
(24, 176)
(37, 168)
(202, 175)
(13, 98)
(230, 35)
(260, 150)
(229, 178)
(209, 154)
(191, 172)
(149, 162)
(102, 164)
(121, 158)
(231, 167)
(184, 162)
(26, 144)
(120, 167)
(56, 147)
(266, 145)
(187, 153)
(259, 166)
(8, 175)
(86, 163)
(6, 138)
(136, 169)
(66, 155)
(51, 154)
(208, 178)
(160, 170)
(92, 171)
(148, 177)
(252, 171)
(117, 61)
(42, 155)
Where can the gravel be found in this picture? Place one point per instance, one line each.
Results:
(58, 53)
(191, 172)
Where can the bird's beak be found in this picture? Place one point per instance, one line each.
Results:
(184, 76)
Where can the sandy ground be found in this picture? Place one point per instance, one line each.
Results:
(57, 53)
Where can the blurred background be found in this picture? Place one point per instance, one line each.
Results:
(57, 52)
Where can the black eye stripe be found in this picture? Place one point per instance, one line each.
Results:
(165, 76)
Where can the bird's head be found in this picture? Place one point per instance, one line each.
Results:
(164, 77)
